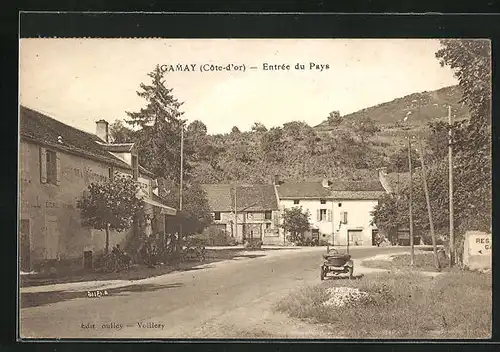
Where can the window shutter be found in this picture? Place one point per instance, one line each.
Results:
(318, 215)
(58, 169)
(43, 165)
(345, 217)
(329, 215)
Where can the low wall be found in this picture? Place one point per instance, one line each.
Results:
(477, 250)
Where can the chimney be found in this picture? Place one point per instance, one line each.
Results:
(382, 173)
(325, 183)
(102, 130)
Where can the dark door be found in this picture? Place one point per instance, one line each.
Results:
(24, 245)
(374, 237)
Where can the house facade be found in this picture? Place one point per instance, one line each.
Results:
(257, 214)
(57, 163)
(339, 210)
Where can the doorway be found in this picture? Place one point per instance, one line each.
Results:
(355, 237)
(374, 237)
(25, 245)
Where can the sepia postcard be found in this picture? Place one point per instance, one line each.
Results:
(254, 188)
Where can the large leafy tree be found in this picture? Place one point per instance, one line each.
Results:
(471, 62)
(334, 119)
(296, 222)
(195, 215)
(398, 161)
(271, 144)
(111, 205)
(159, 123)
(120, 133)
(259, 127)
(365, 128)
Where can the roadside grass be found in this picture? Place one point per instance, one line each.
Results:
(136, 272)
(402, 305)
(423, 261)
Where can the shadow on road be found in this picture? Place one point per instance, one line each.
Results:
(28, 300)
(143, 288)
(250, 256)
(198, 268)
(36, 299)
(344, 277)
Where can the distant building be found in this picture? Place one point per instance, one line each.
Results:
(256, 208)
(57, 164)
(340, 210)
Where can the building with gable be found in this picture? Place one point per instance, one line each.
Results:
(257, 213)
(339, 210)
(56, 165)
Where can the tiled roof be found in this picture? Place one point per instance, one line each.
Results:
(374, 185)
(145, 171)
(336, 190)
(46, 130)
(255, 197)
(159, 199)
(118, 148)
(302, 190)
(357, 194)
(219, 196)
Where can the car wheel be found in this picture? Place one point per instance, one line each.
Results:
(322, 274)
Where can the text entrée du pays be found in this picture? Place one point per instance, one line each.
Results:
(242, 67)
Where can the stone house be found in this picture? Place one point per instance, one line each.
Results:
(56, 165)
(339, 210)
(257, 213)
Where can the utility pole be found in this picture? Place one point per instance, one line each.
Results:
(450, 177)
(412, 247)
(235, 215)
(429, 210)
(181, 177)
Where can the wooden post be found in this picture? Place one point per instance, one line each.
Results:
(450, 178)
(235, 215)
(106, 249)
(429, 210)
(347, 232)
(181, 178)
(412, 247)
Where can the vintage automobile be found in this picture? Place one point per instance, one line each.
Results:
(336, 263)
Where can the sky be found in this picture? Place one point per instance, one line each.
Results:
(80, 81)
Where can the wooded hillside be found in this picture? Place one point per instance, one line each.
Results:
(342, 147)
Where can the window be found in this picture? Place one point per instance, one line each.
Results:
(322, 214)
(268, 215)
(217, 215)
(343, 217)
(268, 226)
(296, 201)
(110, 173)
(51, 167)
(322, 201)
(340, 204)
(135, 167)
